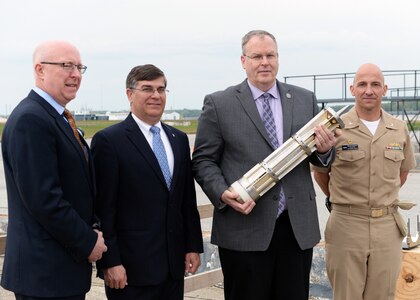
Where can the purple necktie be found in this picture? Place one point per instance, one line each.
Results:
(270, 127)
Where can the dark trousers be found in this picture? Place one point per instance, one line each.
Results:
(23, 297)
(168, 290)
(279, 273)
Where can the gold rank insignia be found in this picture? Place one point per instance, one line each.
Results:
(394, 146)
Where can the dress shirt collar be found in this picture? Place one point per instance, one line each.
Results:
(49, 99)
(256, 92)
(144, 127)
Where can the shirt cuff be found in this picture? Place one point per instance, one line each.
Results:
(325, 158)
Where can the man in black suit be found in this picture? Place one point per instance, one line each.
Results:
(146, 197)
(51, 240)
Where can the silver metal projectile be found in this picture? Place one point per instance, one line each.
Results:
(263, 176)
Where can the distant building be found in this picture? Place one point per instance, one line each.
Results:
(101, 117)
(171, 116)
(178, 123)
(84, 116)
(89, 116)
(117, 116)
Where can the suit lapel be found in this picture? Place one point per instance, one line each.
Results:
(286, 97)
(66, 130)
(90, 167)
(248, 103)
(61, 123)
(87, 166)
(174, 139)
(135, 135)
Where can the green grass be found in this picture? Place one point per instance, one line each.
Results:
(189, 129)
(416, 126)
(91, 127)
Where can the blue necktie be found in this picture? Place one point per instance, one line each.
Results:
(160, 154)
(270, 126)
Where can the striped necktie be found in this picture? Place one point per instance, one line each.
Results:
(73, 127)
(268, 120)
(270, 126)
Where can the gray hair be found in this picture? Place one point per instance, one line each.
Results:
(253, 33)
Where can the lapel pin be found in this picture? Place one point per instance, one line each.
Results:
(288, 95)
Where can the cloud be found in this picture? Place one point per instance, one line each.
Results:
(197, 43)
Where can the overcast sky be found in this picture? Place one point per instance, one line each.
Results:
(198, 43)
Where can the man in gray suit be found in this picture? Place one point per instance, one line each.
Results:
(265, 248)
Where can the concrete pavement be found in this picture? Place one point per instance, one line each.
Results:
(97, 291)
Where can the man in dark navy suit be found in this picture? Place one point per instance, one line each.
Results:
(51, 236)
(146, 197)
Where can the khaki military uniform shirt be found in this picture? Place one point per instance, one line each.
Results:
(366, 170)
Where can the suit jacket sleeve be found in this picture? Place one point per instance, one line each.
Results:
(192, 228)
(35, 165)
(315, 158)
(106, 164)
(208, 148)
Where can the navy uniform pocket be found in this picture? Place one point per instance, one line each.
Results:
(392, 163)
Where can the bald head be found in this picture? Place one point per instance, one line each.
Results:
(368, 88)
(49, 50)
(370, 69)
(51, 75)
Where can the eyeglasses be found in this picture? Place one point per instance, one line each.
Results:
(150, 91)
(67, 66)
(260, 57)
